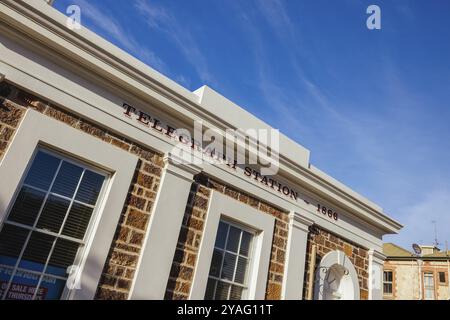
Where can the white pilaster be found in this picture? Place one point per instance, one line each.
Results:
(295, 257)
(376, 261)
(164, 227)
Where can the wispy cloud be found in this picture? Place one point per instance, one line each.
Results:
(419, 217)
(105, 21)
(158, 18)
(370, 136)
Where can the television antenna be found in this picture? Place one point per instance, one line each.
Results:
(436, 243)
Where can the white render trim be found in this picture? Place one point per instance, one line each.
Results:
(339, 258)
(126, 72)
(161, 144)
(224, 206)
(155, 261)
(296, 256)
(37, 129)
(375, 281)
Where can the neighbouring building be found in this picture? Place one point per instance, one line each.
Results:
(409, 276)
(97, 202)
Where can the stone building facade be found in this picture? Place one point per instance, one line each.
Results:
(92, 174)
(409, 276)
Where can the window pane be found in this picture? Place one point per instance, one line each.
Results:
(77, 221)
(236, 293)
(42, 171)
(53, 214)
(241, 270)
(216, 263)
(233, 239)
(90, 187)
(222, 291)
(37, 251)
(209, 295)
(221, 235)
(229, 263)
(67, 179)
(428, 279)
(442, 277)
(12, 239)
(245, 243)
(27, 206)
(63, 256)
(22, 286)
(50, 288)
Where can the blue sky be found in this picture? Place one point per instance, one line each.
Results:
(371, 105)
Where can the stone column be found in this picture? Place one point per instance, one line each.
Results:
(295, 258)
(164, 227)
(376, 261)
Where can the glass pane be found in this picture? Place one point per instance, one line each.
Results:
(245, 243)
(241, 270)
(23, 286)
(222, 291)
(236, 293)
(216, 263)
(228, 266)
(67, 179)
(221, 235)
(90, 187)
(233, 239)
(42, 171)
(27, 206)
(77, 221)
(63, 256)
(37, 251)
(209, 295)
(428, 280)
(12, 239)
(53, 214)
(50, 288)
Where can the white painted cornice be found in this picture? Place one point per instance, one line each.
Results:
(83, 49)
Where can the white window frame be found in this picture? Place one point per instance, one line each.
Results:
(388, 282)
(88, 233)
(229, 209)
(37, 130)
(429, 274)
(249, 258)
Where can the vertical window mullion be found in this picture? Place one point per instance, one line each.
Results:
(223, 259)
(19, 258)
(59, 233)
(236, 262)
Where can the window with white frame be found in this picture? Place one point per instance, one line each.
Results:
(228, 274)
(47, 226)
(428, 284)
(387, 282)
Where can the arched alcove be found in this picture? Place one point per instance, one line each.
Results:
(336, 278)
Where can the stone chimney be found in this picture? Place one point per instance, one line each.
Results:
(429, 249)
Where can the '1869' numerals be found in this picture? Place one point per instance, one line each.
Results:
(328, 212)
